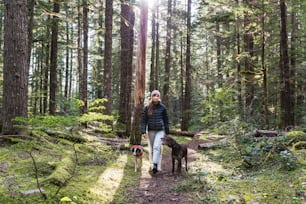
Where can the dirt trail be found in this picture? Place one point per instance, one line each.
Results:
(157, 188)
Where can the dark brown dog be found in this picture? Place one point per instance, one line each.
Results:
(179, 151)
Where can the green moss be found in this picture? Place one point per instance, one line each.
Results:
(295, 136)
(226, 182)
(63, 172)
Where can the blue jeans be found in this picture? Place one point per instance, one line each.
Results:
(155, 146)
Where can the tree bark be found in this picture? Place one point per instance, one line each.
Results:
(67, 62)
(249, 69)
(85, 57)
(79, 53)
(239, 87)
(53, 63)
(126, 59)
(153, 67)
(264, 70)
(99, 67)
(15, 73)
(285, 91)
(46, 68)
(167, 55)
(219, 62)
(31, 4)
(108, 57)
(293, 56)
(140, 73)
(187, 93)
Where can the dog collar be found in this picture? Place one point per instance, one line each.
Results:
(137, 146)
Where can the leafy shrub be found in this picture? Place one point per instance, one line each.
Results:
(48, 122)
(219, 106)
(288, 160)
(255, 153)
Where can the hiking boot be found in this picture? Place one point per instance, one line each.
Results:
(155, 168)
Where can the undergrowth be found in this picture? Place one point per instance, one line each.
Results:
(221, 176)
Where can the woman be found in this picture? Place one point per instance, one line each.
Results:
(155, 121)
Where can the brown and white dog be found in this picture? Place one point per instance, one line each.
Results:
(137, 151)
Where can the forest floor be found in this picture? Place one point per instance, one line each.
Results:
(103, 176)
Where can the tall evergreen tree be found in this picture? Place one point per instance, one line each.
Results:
(168, 55)
(15, 73)
(108, 57)
(140, 73)
(285, 93)
(126, 60)
(53, 63)
(187, 93)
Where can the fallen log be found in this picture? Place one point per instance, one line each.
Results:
(206, 146)
(182, 133)
(32, 191)
(114, 140)
(9, 137)
(63, 172)
(267, 133)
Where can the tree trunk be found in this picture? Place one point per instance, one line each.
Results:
(167, 56)
(108, 57)
(31, 4)
(218, 42)
(85, 57)
(46, 69)
(285, 92)
(126, 59)
(15, 73)
(240, 103)
(152, 81)
(157, 50)
(53, 63)
(187, 94)
(140, 73)
(293, 56)
(249, 69)
(79, 54)
(99, 67)
(67, 60)
(264, 70)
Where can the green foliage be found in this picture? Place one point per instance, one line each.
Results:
(295, 136)
(97, 105)
(288, 160)
(219, 106)
(224, 180)
(48, 122)
(91, 117)
(256, 153)
(96, 115)
(73, 106)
